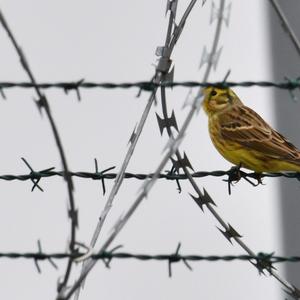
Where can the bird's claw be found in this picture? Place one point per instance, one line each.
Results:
(258, 177)
(235, 174)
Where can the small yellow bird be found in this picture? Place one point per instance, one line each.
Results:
(243, 137)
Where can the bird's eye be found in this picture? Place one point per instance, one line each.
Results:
(213, 93)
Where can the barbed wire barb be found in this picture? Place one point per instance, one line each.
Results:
(203, 199)
(175, 258)
(35, 260)
(74, 86)
(264, 262)
(97, 173)
(110, 253)
(223, 14)
(35, 181)
(295, 294)
(2, 94)
(291, 92)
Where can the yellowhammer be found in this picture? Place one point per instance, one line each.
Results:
(243, 137)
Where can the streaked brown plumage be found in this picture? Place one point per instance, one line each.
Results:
(243, 137)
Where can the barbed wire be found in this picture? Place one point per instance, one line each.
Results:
(145, 257)
(262, 261)
(141, 176)
(234, 175)
(289, 84)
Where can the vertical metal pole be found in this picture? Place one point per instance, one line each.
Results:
(286, 62)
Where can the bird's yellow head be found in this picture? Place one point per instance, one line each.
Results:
(218, 100)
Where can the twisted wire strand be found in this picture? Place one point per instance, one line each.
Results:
(140, 176)
(290, 84)
(146, 257)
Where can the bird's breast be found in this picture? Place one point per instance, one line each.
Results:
(231, 151)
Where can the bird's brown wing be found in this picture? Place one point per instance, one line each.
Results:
(244, 126)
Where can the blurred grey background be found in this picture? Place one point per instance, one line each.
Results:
(116, 41)
(286, 63)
